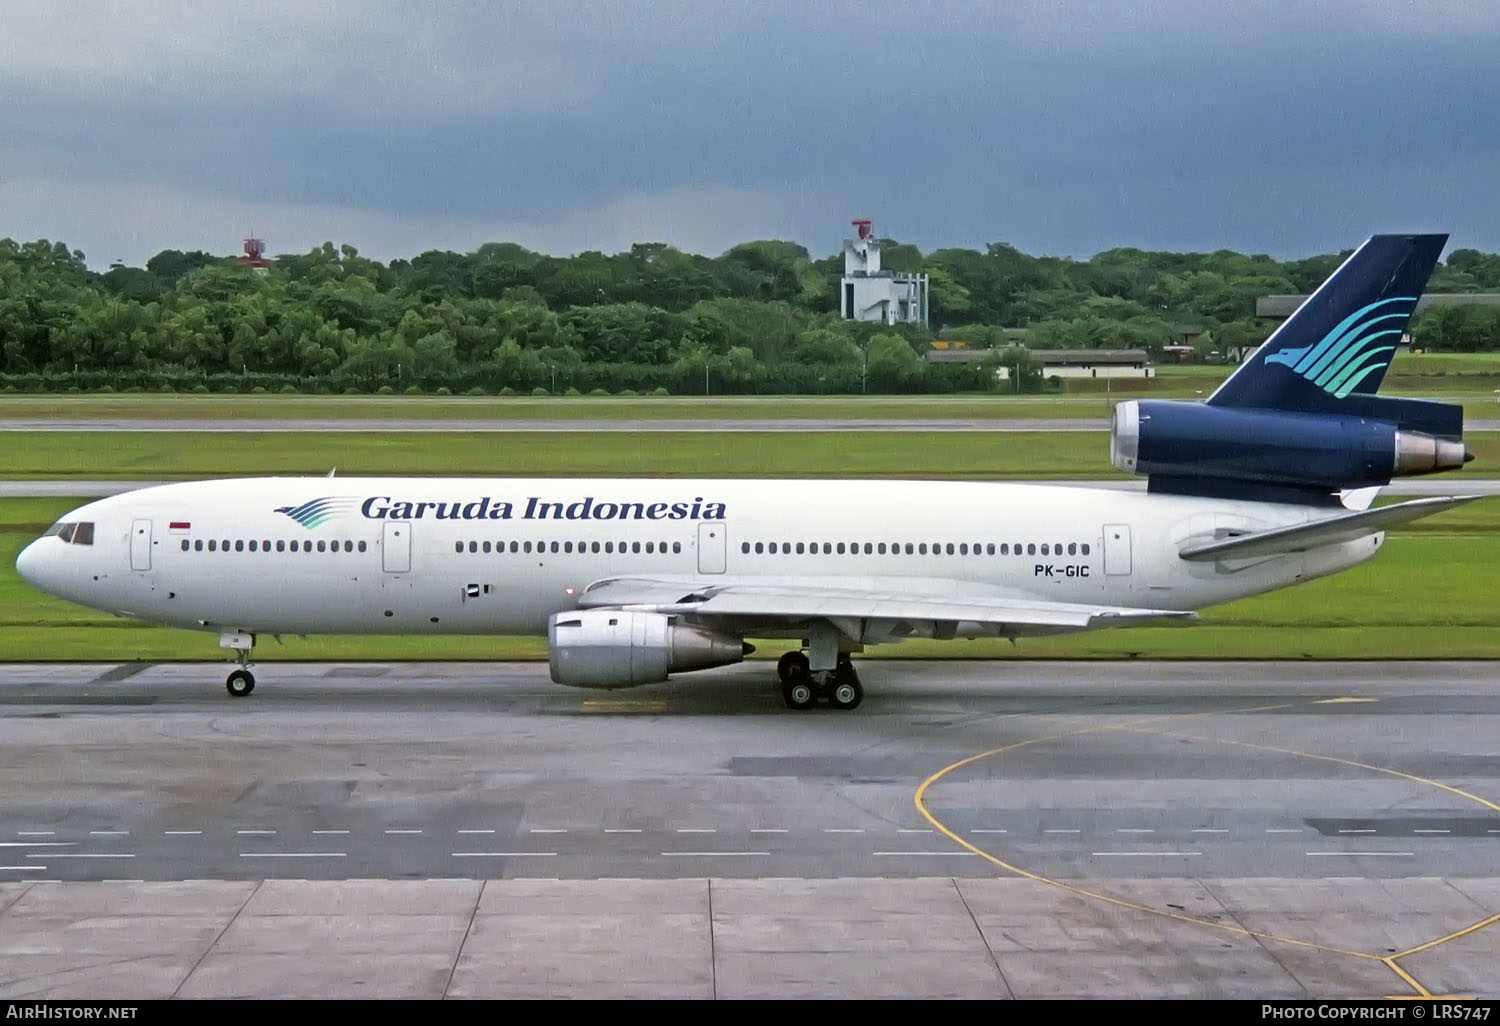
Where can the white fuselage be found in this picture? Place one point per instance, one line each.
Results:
(499, 556)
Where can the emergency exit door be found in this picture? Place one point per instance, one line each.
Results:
(140, 545)
(395, 547)
(711, 548)
(1116, 549)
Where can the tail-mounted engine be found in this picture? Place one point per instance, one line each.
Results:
(1379, 439)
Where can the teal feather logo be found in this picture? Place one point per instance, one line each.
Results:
(318, 511)
(1362, 344)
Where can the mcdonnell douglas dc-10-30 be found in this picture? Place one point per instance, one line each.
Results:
(1269, 482)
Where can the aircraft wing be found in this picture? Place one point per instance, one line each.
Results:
(791, 604)
(1330, 531)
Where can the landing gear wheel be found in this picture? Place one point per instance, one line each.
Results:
(800, 692)
(240, 683)
(789, 664)
(845, 693)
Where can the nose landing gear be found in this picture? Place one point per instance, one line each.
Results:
(240, 682)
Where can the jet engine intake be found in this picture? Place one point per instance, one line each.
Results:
(611, 648)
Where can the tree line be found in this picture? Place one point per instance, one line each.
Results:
(761, 317)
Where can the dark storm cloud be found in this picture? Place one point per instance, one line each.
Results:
(1288, 128)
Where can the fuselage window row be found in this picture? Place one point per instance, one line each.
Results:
(240, 545)
(914, 548)
(568, 547)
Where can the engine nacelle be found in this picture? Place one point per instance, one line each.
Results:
(1300, 450)
(612, 648)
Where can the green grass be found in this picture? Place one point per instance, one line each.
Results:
(1429, 594)
(919, 454)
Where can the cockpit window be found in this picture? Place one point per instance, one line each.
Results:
(80, 533)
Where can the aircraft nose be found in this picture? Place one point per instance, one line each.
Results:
(29, 564)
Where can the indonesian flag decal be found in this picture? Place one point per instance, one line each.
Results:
(179, 527)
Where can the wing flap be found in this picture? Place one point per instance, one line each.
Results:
(1315, 534)
(790, 603)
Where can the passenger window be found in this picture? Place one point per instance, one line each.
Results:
(869, 548)
(636, 547)
(908, 548)
(185, 545)
(650, 548)
(348, 545)
(1072, 548)
(361, 546)
(320, 547)
(1044, 548)
(458, 546)
(990, 549)
(224, 545)
(594, 547)
(800, 549)
(950, 548)
(745, 548)
(473, 546)
(198, 545)
(485, 548)
(963, 548)
(292, 545)
(1084, 548)
(280, 546)
(841, 548)
(568, 547)
(527, 547)
(676, 547)
(1031, 549)
(252, 544)
(515, 547)
(265, 546)
(880, 548)
(828, 548)
(212, 545)
(609, 548)
(239, 545)
(922, 549)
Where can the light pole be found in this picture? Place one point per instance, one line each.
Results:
(554, 378)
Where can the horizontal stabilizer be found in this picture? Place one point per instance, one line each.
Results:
(1330, 531)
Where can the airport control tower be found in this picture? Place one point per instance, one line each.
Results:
(870, 294)
(255, 256)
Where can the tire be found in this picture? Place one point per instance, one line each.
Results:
(789, 663)
(800, 692)
(240, 683)
(845, 693)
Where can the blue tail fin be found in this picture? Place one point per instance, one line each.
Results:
(1332, 353)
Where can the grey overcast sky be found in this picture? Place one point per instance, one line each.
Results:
(1061, 126)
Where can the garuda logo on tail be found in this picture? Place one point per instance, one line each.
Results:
(1353, 350)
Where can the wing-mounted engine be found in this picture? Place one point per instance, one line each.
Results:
(613, 648)
(1377, 440)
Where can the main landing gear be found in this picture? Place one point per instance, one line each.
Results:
(801, 687)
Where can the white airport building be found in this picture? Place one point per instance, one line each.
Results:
(870, 294)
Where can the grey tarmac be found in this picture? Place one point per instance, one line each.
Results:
(975, 829)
